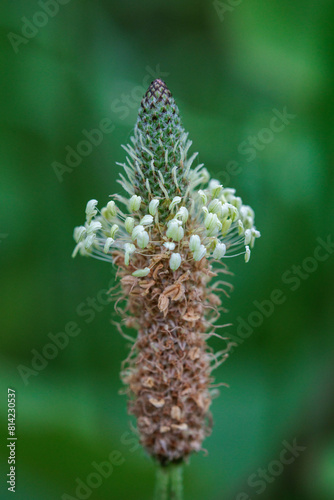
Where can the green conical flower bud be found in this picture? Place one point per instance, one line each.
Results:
(160, 144)
(158, 154)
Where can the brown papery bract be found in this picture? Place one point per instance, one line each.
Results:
(168, 371)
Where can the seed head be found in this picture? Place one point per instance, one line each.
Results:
(175, 223)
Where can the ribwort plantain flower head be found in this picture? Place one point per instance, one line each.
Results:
(163, 236)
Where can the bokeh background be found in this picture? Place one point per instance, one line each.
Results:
(229, 65)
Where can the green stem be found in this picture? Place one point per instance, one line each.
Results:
(176, 486)
(161, 485)
(169, 483)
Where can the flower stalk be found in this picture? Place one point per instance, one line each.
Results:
(168, 237)
(169, 485)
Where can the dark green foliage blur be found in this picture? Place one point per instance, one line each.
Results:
(231, 73)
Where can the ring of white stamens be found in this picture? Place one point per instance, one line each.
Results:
(204, 216)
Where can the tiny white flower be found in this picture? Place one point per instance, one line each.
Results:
(203, 196)
(215, 206)
(243, 212)
(143, 239)
(215, 188)
(228, 193)
(129, 249)
(107, 245)
(247, 254)
(233, 211)
(91, 211)
(141, 272)
(248, 222)
(134, 203)
(248, 236)
(212, 224)
(105, 213)
(247, 216)
(114, 230)
(255, 234)
(226, 226)
(169, 245)
(153, 206)
(183, 213)
(250, 211)
(241, 228)
(213, 184)
(89, 241)
(224, 210)
(237, 202)
(219, 251)
(174, 221)
(176, 200)
(111, 208)
(129, 224)
(175, 261)
(93, 227)
(79, 233)
(216, 191)
(199, 253)
(138, 229)
(175, 231)
(78, 247)
(146, 220)
(195, 242)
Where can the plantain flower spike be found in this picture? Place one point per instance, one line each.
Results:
(175, 224)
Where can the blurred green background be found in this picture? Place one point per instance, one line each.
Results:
(229, 65)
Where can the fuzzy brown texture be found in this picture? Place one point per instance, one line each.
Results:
(168, 370)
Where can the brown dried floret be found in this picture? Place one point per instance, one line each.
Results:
(168, 371)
